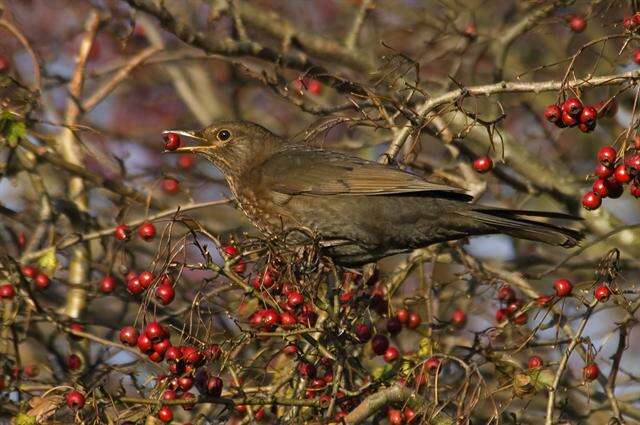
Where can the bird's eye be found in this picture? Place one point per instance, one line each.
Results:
(223, 135)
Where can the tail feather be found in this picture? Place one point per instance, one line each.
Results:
(512, 223)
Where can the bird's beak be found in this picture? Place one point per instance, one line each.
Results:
(193, 134)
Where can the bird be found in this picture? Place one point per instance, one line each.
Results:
(359, 210)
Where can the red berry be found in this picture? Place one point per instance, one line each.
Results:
(501, 314)
(395, 417)
(409, 414)
(414, 320)
(621, 174)
(568, 119)
(122, 232)
(544, 300)
(165, 293)
(107, 284)
(162, 346)
(129, 336)
(29, 271)
(7, 291)
(155, 331)
(603, 171)
(192, 356)
(591, 372)
(506, 294)
(402, 315)
(628, 23)
(169, 395)
(294, 299)
(287, 320)
(42, 281)
(572, 106)
(394, 326)
(614, 188)
(165, 414)
(391, 354)
(588, 115)
(458, 318)
(514, 306)
(314, 86)
(290, 349)
(553, 113)
(601, 188)
(144, 343)
(636, 56)
(214, 386)
(363, 332)
(146, 279)
(171, 141)
(432, 364)
(5, 65)
(587, 128)
(75, 400)
(134, 286)
(632, 162)
(634, 189)
(170, 185)
(379, 344)
(307, 370)
(483, 164)
(577, 23)
(188, 396)
(535, 362)
(591, 201)
(147, 231)
(520, 319)
(602, 293)
(270, 317)
(173, 353)
(73, 362)
(185, 383)
(607, 155)
(186, 161)
(562, 287)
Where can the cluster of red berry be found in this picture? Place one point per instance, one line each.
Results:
(187, 365)
(576, 23)
(572, 113)
(613, 172)
(40, 280)
(138, 283)
(631, 22)
(146, 231)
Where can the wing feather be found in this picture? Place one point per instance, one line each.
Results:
(297, 171)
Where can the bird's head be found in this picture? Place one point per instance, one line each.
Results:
(232, 146)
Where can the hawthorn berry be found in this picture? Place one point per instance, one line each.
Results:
(134, 286)
(169, 395)
(73, 362)
(591, 201)
(294, 299)
(314, 86)
(188, 396)
(185, 383)
(394, 326)
(514, 306)
(520, 319)
(501, 315)
(535, 362)
(553, 113)
(107, 284)
(483, 164)
(42, 281)
(634, 189)
(75, 400)
(614, 188)
(458, 318)
(414, 320)
(147, 231)
(146, 279)
(29, 271)
(5, 65)
(287, 319)
(128, 335)
(601, 188)
(603, 171)
(544, 300)
(162, 346)
(165, 414)
(394, 416)
(155, 331)
(186, 161)
(122, 232)
(165, 293)
(562, 287)
(391, 354)
(307, 370)
(590, 372)
(602, 293)
(363, 332)
(7, 291)
(172, 141)
(144, 343)
(432, 364)
(379, 344)
(170, 185)
(577, 23)
(588, 115)
(607, 155)
(621, 174)
(568, 119)
(572, 107)
(402, 315)
(506, 294)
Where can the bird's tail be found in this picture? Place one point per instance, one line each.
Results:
(519, 224)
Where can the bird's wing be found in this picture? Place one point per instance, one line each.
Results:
(319, 172)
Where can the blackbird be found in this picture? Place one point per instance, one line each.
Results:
(359, 210)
